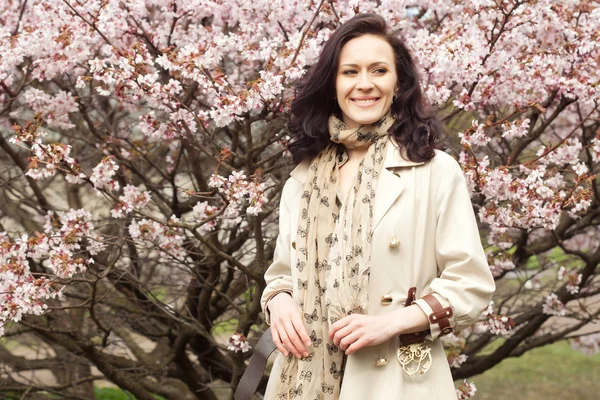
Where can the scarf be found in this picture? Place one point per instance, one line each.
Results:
(333, 245)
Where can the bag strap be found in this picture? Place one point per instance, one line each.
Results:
(256, 368)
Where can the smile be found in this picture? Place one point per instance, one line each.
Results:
(365, 102)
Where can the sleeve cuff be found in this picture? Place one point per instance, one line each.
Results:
(434, 326)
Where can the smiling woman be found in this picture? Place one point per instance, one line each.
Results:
(363, 40)
(356, 301)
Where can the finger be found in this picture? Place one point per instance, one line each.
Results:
(342, 333)
(277, 341)
(299, 347)
(299, 326)
(354, 347)
(348, 340)
(286, 338)
(338, 325)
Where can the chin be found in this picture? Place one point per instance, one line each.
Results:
(366, 119)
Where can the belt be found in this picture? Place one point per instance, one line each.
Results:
(256, 368)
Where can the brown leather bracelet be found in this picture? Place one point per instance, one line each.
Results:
(440, 315)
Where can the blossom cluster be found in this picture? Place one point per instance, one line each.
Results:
(466, 391)
(65, 236)
(239, 190)
(573, 279)
(132, 199)
(202, 212)
(103, 174)
(587, 344)
(169, 240)
(47, 158)
(454, 344)
(495, 324)
(534, 198)
(553, 306)
(238, 343)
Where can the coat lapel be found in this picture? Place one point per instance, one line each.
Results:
(389, 188)
(389, 185)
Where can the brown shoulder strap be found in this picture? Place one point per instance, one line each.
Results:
(256, 368)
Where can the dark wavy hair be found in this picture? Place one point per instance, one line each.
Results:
(416, 127)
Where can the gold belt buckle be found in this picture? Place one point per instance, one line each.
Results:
(415, 357)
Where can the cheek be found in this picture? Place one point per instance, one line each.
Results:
(341, 89)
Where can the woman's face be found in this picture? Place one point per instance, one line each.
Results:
(366, 80)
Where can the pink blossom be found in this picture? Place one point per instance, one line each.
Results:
(595, 147)
(103, 173)
(476, 138)
(517, 129)
(553, 306)
(499, 266)
(466, 390)
(456, 361)
(56, 109)
(533, 283)
(203, 211)
(238, 343)
(563, 155)
(495, 324)
(216, 181)
(587, 344)
(574, 279)
(132, 199)
(580, 168)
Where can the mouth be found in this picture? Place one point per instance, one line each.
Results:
(365, 102)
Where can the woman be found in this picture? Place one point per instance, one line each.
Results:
(373, 209)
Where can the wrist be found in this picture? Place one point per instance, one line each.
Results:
(399, 322)
(410, 319)
(276, 296)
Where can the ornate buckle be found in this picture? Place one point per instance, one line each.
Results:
(415, 357)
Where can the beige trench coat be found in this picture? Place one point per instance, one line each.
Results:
(427, 207)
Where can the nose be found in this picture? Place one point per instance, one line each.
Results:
(364, 82)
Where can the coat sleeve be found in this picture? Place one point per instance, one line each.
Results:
(465, 283)
(278, 276)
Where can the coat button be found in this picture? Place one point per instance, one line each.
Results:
(381, 362)
(386, 299)
(294, 245)
(394, 242)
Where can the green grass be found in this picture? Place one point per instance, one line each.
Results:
(117, 394)
(551, 372)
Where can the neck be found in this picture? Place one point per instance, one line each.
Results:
(357, 154)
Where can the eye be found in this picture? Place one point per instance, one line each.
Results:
(349, 72)
(381, 70)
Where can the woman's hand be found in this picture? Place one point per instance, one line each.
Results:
(287, 329)
(356, 331)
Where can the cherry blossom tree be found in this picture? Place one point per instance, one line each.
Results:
(143, 153)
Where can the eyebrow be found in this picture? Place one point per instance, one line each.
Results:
(370, 65)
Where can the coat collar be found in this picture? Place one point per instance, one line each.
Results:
(395, 157)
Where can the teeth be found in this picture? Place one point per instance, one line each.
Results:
(366, 101)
